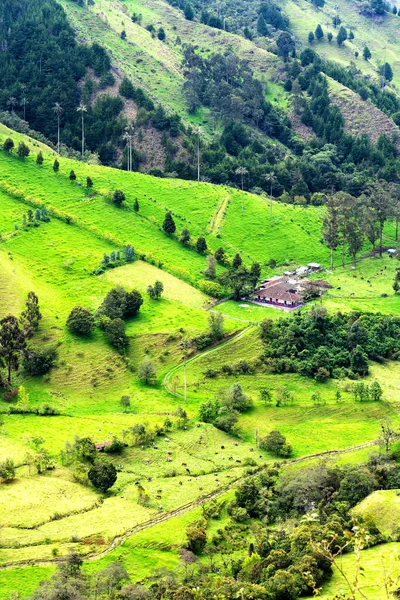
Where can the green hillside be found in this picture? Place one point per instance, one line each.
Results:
(162, 435)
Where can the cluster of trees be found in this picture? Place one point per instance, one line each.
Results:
(244, 18)
(320, 345)
(14, 335)
(83, 459)
(228, 87)
(349, 222)
(116, 307)
(224, 411)
(340, 38)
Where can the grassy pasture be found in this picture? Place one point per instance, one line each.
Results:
(352, 290)
(376, 33)
(55, 260)
(383, 509)
(375, 562)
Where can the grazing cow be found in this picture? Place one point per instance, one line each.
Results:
(158, 497)
(184, 464)
(222, 447)
(180, 483)
(159, 491)
(201, 489)
(187, 471)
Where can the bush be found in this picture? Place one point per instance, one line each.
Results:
(239, 514)
(203, 340)
(80, 321)
(275, 443)
(23, 150)
(8, 145)
(211, 288)
(7, 470)
(115, 447)
(102, 475)
(322, 375)
(118, 197)
(39, 362)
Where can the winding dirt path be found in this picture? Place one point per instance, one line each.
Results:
(174, 370)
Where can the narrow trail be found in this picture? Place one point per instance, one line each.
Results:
(167, 378)
(216, 221)
(181, 510)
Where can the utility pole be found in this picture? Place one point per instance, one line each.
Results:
(82, 108)
(270, 178)
(185, 345)
(198, 154)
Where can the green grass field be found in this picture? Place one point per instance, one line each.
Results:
(52, 514)
(379, 564)
(382, 508)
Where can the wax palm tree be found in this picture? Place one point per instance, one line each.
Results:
(198, 133)
(128, 137)
(11, 103)
(269, 178)
(242, 171)
(82, 108)
(57, 108)
(24, 102)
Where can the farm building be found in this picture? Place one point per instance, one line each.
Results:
(288, 292)
(280, 291)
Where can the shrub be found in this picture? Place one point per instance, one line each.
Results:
(23, 150)
(322, 375)
(211, 288)
(239, 514)
(115, 447)
(8, 145)
(118, 197)
(201, 245)
(39, 362)
(196, 539)
(80, 321)
(102, 475)
(275, 443)
(7, 470)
